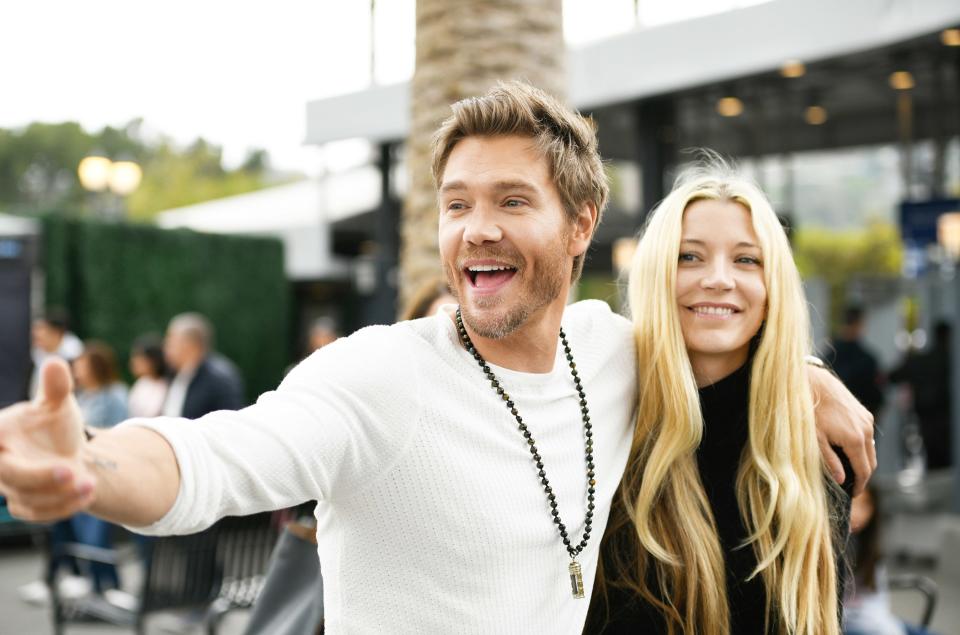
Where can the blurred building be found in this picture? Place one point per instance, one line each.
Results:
(764, 83)
(18, 245)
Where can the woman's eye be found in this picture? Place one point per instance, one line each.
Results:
(687, 257)
(748, 260)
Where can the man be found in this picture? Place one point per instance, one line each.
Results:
(204, 381)
(856, 366)
(464, 464)
(928, 374)
(52, 338)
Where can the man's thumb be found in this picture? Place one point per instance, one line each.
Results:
(56, 384)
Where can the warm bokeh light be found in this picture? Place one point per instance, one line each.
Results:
(901, 80)
(623, 250)
(815, 115)
(94, 173)
(950, 37)
(125, 177)
(793, 69)
(948, 233)
(729, 107)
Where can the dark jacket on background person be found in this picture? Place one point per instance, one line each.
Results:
(215, 386)
(857, 368)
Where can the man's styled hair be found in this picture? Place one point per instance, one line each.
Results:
(565, 138)
(195, 327)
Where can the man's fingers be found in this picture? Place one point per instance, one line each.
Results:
(859, 448)
(56, 384)
(860, 461)
(45, 513)
(53, 498)
(834, 465)
(871, 444)
(18, 476)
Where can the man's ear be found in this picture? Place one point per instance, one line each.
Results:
(584, 225)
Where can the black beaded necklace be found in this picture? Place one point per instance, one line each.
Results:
(576, 573)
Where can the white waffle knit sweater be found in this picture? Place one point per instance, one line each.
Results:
(431, 517)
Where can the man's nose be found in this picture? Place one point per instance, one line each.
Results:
(482, 226)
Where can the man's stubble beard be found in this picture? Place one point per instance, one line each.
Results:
(531, 297)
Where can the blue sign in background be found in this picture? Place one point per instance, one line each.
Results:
(10, 248)
(918, 220)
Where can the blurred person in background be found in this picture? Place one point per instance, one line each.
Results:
(928, 375)
(52, 338)
(204, 381)
(102, 398)
(867, 604)
(323, 331)
(148, 366)
(854, 363)
(428, 299)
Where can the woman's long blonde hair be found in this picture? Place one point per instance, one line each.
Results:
(781, 483)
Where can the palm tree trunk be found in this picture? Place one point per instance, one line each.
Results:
(463, 48)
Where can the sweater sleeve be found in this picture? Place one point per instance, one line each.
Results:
(337, 422)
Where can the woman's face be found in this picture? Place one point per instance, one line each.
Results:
(721, 295)
(83, 374)
(140, 365)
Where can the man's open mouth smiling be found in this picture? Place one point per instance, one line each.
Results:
(488, 276)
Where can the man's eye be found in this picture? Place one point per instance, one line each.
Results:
(455, 206)
(513, 202)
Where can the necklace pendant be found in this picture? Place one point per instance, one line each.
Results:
(576, 579)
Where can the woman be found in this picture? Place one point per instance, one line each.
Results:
(150, 389)
(103, 403)
(727, 520)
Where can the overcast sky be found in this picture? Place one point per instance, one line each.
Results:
(237, 73)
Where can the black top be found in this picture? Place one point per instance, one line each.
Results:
(725, 407)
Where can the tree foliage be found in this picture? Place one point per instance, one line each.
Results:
(838, 257)
(38, 169)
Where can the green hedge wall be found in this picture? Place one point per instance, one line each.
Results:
(119, 281)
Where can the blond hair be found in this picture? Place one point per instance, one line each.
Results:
(565, 138)
(782, 487)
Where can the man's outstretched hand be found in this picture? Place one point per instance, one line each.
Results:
(42, 473)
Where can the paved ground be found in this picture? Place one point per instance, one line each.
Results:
(21, 565)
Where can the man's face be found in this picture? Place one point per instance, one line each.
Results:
(505, 241)
(45, 337)
(176, 348)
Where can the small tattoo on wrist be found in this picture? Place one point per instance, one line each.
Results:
(96, 461)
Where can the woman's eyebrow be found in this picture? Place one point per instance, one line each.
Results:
(697, 241)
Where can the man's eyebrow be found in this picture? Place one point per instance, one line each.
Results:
(697, 241)
(452, 185)
(524, 186)
(499, 186)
